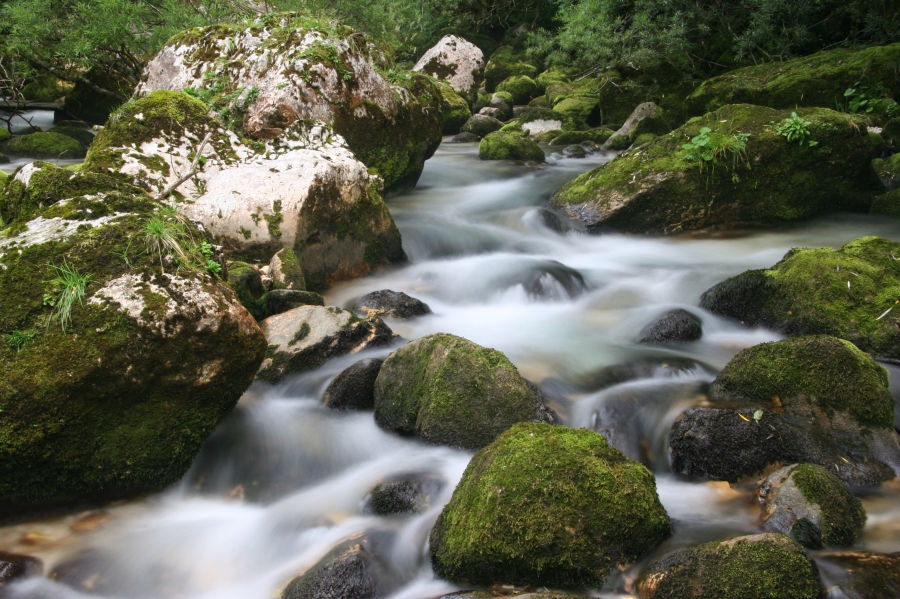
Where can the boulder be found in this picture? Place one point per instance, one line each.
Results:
(481, 125)
(862, 574)
(646, 111)
(127, 354)
(504, 63)
(598, 136)
(494, 113)
(247, 283)
(888, 170)
(578, 99)
(390, 303)
(45, 145)
(306, 337)
(811, 505)
(82, 136)
(509, 146)
(354, 387)
(465, 138)
(887, 204)
(447, 390)
(849, 293)
(502, 101)
(285, 270)
(521, 87)
(457, 61)
(278, 301)
(817, 80)
(808, 399)
(345, 573)
(675, 326)
(407, 495)
(456, 112)
(547, 505)
(574, 151)
(284, 69)
(765, 566)
(16, 567)
(668, 186)
(306, 191)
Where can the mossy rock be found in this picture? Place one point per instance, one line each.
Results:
(503, 64)
(46, 89)
(888, 170)
(45, 145)
(509, 146)
(598, 136)
(540, 102)
(890, 132)
(643, 139)
(807, 293)
(584, 108)
(812, 506)
(887, 204)
(4, 134)
(455, 110)
(552, 75)
(618, 143)
(447, 390)
(547, 505)
(85, 138)
(4, 176)
(765, 566)
(520, 87)
(657, 189)
(97, 411)
(817, 80)
(481, 125)
(248, 286)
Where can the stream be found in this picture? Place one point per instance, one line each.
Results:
(283, 480)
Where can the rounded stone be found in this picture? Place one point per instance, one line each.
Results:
(675, 326)
(354, 387)
(390, 303)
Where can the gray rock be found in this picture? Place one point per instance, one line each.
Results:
(861, 574)
(354, 388)
(348, 575)
(410, 495)
(390, 303)
(465, 138)
(492, 112)
(574, 151)
(281, 300)
(643, 111)
(4, 159)
(481, 125)
(675, 326)
(455, 60)
(15, 567)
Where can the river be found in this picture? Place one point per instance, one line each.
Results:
(283, 480)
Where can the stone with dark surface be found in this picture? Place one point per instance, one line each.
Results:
(16, 567)
(481, 125)
(390, 303)
(408, 495)
(574, 151)
(281, 300)
(675, 326)
(861, 574)
(354, 387)
(465, 138)
(344, 574)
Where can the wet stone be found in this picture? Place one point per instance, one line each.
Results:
(465, 138)
(14, 566)
(412, 495)
(390, 303)
(354, 388)
(675, 326)
(281, 300)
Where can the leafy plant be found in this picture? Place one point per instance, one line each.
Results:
(17, 339)
(124, 254)
(856, 100)
(710, 149)
(70, 285)
(203, 257)
(795, 128)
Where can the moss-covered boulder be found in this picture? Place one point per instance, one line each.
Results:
(119, 356)
(504, 63)
(46, 89)
(810, 399)
(457, 61)
(447, 390)
(456, 110)
(849, 293)
(811, 505)
(888, 170)
(597, 136)
(520, 87)
(547, 505)
(82, 136)
(285, 68)
(509, 146)
(303, 190)
(664, 187)
(286, 272)
(887, 204)
(45, 145)
(481, 125)
(306, 337)
(863, 574)
(4, 134)
(817, 80)
(766, 566)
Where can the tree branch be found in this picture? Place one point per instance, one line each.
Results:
(76, 79)
(193, 171)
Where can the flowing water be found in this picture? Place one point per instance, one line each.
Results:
(283, 481)
(23, 124)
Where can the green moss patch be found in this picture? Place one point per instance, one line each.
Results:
(509, 146)
(521, 88)
(45, 145)
(843, 515)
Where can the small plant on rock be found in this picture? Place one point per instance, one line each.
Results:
(856, 100)
(710, 149)
(795, 128)
(70, 286)
(17, 339)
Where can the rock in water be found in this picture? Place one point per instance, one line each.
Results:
(547, 505)
(811, 505)
(447, 390)
(675, 326)
(306, 337)
(354, 387)
(343, 574)
(663, 188)
(481, 125)
(766, 566)
(284, 71)
(45, 145)
(456, 110)
(391, 303)
(456, 61)
(409, 495)
(647, 110)
(509, 146)
(863, 575)
(849, 293)
(16, 567)
(116, 396)
(811, 399)
(282, 300)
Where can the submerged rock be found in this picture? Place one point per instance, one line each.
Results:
(409, 495)
(811, 505)
(766, 566)
(447, 390)
(574, 151)
(465, 138)
(546, 505)
(45, 145)
(675, 326)
(390, 303)
(815, 399)
(481, 125)
(346, 573)
(509, 146)
(663, 188)
(849, 293)
(306, 337)
(354, 387)
(456, 61)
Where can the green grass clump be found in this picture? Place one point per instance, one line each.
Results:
(71, 286)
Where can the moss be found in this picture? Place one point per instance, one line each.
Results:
(807, 293)
(887, 204)
(4, 134)
(653, 190)
(503, 64)
(83, 137)
(46, 89)
(843, 515)
(816, 80)
(552, 75)
(888, 170)
(618, 143)
(455, 110)
(540, 102)
(890, 132)
(481, 125)
(509, 146)
(547, 505)
(447, 390)
(289, 274)
(644, 138)
(584, 108)
(767, 566)
(45, 145)
(520, 88)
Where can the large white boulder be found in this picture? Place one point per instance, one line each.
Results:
(456, 61)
